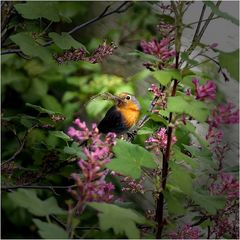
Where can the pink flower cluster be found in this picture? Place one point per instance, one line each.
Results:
(96, 56)
(206, 91)
(91, 183)
(160, 49)
(187, 232)
(162, 98)
(228, 185)
(224, 114)
(131, 185)
(158, 141)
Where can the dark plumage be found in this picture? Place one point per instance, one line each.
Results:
(112, 122)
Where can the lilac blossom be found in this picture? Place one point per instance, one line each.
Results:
(224, 114)
(161, 96)
(91, 183)
(187, 232)
(158, 141)
(80, 54)
(206, 91)
(160, 49)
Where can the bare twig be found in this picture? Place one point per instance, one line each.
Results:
(120, 9)
(19, 150)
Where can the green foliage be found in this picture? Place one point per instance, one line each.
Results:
(121, 220)
(230, 61)
(130, 158)
(50, 230)
(210, 203)
(34, 10)
(166, 76)
(187, 104)
(30, 47)
(28, 199)
(65, 41)
(180, 179)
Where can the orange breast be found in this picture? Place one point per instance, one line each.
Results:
(130, 114)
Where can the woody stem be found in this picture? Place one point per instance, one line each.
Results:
(166, 156)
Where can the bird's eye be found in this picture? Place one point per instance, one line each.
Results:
(128, 97)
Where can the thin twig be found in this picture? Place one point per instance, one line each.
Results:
(204, 20)
(121, 8)
(19, 150)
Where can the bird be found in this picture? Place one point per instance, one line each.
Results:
(122, 116)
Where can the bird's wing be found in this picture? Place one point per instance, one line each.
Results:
(112, 122)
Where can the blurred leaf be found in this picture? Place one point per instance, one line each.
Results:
(144, 56)
(30, 47)
(210, 203)
(51, 103)
(96, 107)
(61, 134)
(174, 203)
(41, 109)
(75, 150)
(181, 178)
(130, 158)
(121, 220)
(50, 230)
(34, 10)
(187, 104)
(158, 118)
(68, 96)
(178, 155)
(230, 61)
(28, 199)
(219, 13)
(65, 41)
(165, 76)
(145, 131)
(185, 57)
(143, 74)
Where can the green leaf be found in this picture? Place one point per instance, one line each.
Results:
(210, 203)
(230, 61)
(179, 156)
(50, 230)
(28, 199)
(30, 47)
(219, 13)
(61, 134)
(130, 158)
(188, 105)
(65, 40)
(158, 118)
(51, 103)
(181, 178)
(174, 202)
(41, 109)
(140, 75)
(144, 56)
(34, 10)
(121, 220)
(69, 95)
(75, 150)
(145, 131)
(165, 76)
(185, 57)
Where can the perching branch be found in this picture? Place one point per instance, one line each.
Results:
(120, 9)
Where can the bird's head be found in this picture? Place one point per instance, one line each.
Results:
(127, 101)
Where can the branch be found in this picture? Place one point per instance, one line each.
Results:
(166, 156)
(121, 8)
(19, 150)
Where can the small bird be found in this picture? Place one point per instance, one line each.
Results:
(122, 116)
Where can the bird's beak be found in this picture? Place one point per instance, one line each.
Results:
(116, 99)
